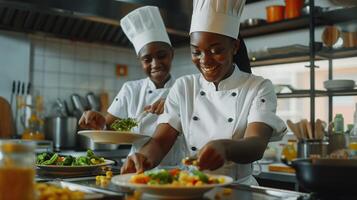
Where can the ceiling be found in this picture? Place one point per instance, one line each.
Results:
(91, 20)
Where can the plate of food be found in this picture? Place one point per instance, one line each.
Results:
(173, 183)
(121, 133)
(53, 163)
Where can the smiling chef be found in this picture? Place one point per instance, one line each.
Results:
(225, 113)
(146, 30)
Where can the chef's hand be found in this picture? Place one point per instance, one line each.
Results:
(135, 163)
(92, 120)
(156, 108)
(212, 156)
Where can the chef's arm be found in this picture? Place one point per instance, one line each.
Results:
(252, 146)
(160, 143)
(109, 119)
(95, 120)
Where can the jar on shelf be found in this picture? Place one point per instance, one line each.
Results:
(289, 152)
(17, 170)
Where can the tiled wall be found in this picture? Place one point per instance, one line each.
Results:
(60, 68)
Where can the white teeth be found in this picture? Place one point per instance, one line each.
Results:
(208, 69)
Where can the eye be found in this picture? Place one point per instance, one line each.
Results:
(195, 52)
(162, 55)
(146, 59)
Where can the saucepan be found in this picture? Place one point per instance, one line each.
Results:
(324, 175)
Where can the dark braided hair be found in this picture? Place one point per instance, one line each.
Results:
(241, 58)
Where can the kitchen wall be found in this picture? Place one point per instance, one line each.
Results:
(14, 60)
(61, 67)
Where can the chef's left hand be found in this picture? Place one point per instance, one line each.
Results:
(212, 156)
(156, 108)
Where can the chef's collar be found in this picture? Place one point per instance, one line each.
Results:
(168, 84)
(235, 80)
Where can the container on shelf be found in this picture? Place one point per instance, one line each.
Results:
(275, 13)
(293, 8)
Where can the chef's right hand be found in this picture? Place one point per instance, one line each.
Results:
(92, 120)
(136, 163)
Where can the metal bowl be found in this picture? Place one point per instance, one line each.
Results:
(253, 22)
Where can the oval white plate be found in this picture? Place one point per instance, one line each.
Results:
(72, 170)
(112, 137)
(169, 192)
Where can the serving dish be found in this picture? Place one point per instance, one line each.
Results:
(113, 137)
(168, 191)
(61, 170)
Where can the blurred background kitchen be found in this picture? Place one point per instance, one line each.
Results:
(59, 58)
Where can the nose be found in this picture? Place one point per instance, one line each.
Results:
(205, 58)
(154, 63)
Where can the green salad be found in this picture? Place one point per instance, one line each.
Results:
(49, 158)
(124, 124)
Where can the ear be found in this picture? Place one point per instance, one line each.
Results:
(236, 46)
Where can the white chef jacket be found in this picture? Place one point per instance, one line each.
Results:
(195, 109)
(131, 100)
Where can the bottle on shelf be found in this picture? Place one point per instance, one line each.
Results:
(352, 146)
(338, 124)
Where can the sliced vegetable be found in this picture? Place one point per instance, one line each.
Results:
(51, 160)
(124, 124)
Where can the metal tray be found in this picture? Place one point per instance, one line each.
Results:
(90, 192)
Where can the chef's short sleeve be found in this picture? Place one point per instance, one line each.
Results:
(120, 104)
(171, 114)
(263, 110)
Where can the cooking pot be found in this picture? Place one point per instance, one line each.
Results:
(307, 148)
(326, 175)
(62, 131)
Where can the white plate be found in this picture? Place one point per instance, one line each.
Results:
(169, 192)
(335, 85)
(72, 170)
(112, 137)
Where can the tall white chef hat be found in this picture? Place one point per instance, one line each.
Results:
(217, 16)
(144, 25)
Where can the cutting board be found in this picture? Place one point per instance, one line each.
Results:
(281, 168)
(6, 120)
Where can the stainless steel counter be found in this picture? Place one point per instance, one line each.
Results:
(238, 191)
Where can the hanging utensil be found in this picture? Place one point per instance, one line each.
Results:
(93, 101)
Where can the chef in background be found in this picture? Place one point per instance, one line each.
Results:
(226, 114)
(146, 30)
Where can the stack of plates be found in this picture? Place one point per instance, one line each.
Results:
(336, 85)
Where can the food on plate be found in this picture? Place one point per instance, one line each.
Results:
(48, 191)
(49, 158)
(124, 124)
(175, 177)
(104, 180)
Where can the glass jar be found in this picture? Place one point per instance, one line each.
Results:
(289, 152)
(17, 170)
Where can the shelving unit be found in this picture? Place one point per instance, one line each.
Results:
(313, 54)
(323, 54)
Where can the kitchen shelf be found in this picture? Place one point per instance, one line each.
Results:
(326, 18)
(337, 53)
(323, 54)
(318, 93)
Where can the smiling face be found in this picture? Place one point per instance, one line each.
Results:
(213, 55)
(156, 58)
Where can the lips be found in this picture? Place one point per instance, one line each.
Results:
(209, 70)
